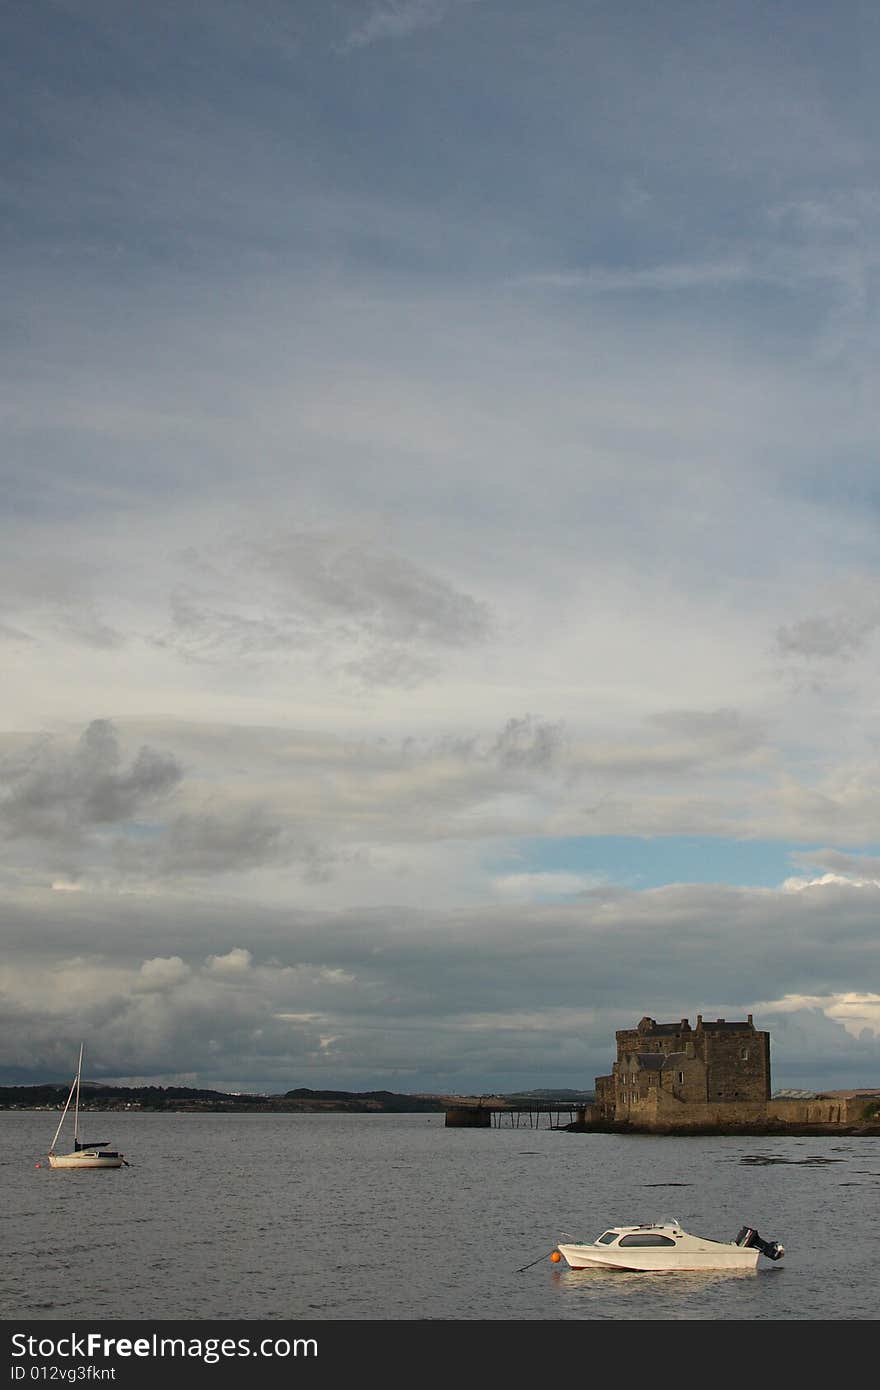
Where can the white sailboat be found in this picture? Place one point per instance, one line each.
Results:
(91, 1155)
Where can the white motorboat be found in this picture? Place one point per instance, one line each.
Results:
(665, 1248)
(95, 1154)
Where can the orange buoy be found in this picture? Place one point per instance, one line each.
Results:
(556, 1257)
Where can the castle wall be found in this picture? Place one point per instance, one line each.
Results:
(717, 1061)
(654, 1037)
(603, 1106)
(661, 1109)
(685, 1078)
(737, 1064)
(716, 1075)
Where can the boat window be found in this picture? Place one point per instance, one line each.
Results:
(607, 1238)
(646, 1239)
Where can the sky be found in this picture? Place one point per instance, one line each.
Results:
(439, 552)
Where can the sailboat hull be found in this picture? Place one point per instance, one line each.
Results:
(85, 1160)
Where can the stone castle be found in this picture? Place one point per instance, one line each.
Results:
(670, 1076)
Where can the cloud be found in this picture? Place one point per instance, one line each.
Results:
(207, 844)
(397, 19)
(354, 608)
(57, 793)
(826, 637)
(662, 277)
(199, 629)
(390, 666)
(858, 1013)
(799, 885)
(544, 887)
(327, 576)
(495, 997)
(163, 972)
(838, 803)
(331, 817)
(233, 963)
(86, 626)
(719, 731)
(691, 741)
(855, 867)
(431, 488)
(8, 633)
(528, 743)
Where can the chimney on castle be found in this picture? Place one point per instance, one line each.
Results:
(699, 1020)
(749, 1020)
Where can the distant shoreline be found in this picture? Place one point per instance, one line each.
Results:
(187, 1099)
(183, 1100)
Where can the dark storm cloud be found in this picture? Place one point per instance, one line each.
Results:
(475, 995)
(57, 793)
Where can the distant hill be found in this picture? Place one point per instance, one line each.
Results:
(367, 1100)
(551, 1094)
(103, 1097)
(100, 1096)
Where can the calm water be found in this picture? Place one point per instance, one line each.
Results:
(396, 1217)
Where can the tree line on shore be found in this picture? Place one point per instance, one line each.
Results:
(100, 1096)
(95, 1096)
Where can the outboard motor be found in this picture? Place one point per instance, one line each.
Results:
(771, 1248)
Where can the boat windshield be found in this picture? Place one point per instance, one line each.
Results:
(607, 1238)
(646, 1238)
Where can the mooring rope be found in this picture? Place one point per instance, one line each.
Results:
(534, 1262)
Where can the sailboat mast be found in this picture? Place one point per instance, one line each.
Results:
(63, 1113)
(76, 1103)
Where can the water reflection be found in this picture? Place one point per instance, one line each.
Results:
(627, 1281)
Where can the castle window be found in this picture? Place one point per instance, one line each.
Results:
(681, 1078)
(745, 1054)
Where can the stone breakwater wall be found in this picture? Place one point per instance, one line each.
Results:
(662, 1114)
